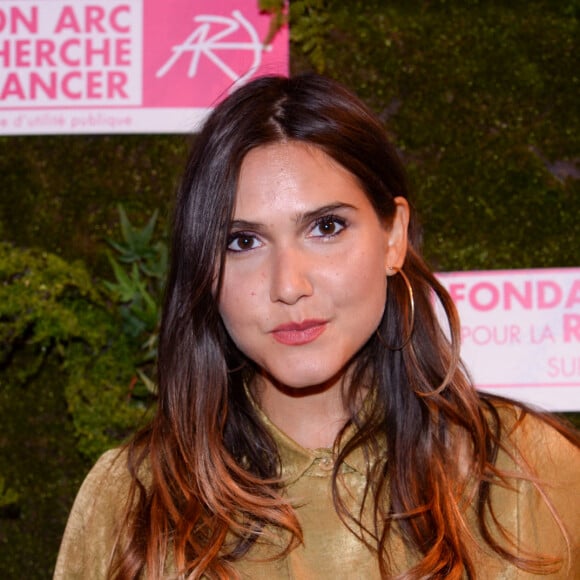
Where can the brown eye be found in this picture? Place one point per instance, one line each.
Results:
(242, 242)
(328, 226)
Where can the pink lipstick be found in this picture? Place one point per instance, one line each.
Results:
(296, 334)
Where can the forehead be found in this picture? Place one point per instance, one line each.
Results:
(293, 176)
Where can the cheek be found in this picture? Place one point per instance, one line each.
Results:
(228, 301)
(363, 276)
(239, 302)
(364, 294)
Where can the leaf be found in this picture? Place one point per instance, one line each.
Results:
(149, 384)
(127, 287)
(144, 236)
(136, 244)
(7, 495)
(126, 227)
(271, 6)
(157, 268)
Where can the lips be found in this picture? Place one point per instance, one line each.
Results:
(296, 334)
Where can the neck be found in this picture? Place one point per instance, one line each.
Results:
(312, 416)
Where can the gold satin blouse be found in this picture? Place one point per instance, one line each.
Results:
(330, 551)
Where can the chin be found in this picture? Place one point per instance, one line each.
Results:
(310, 379)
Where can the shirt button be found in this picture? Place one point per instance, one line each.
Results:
(327, 463)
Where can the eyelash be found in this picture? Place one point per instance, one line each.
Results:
(232, 238)
(318, 223)
(327, 220)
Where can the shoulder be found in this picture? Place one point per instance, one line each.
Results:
(536, 439)
(105, 490)
(537, 490)
(98, 511)
(107, 482)
(111, 465)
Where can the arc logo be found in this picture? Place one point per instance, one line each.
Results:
(210, 39)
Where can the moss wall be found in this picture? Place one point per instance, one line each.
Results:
(60, 193)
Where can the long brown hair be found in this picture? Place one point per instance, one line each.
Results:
(213, 484)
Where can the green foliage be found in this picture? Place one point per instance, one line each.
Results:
(311, 25)
(277, 10)
(39, 462)
(65, 385)
(102, 401)
(7, 495)
(271, 6)
(60, 193)
(574, 418)
(51, 310)
(139, 270)
(38, 294)
(137, 246)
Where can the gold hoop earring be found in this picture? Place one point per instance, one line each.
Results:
(396, 270)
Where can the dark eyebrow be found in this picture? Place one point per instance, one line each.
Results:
(240, 225)
(322, 211)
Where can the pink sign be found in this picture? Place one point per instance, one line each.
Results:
(127, 66)
(520, 332)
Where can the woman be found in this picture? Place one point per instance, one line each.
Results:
(313, 419)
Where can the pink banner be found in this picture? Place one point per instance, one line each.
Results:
(127, 66)
(520, 332)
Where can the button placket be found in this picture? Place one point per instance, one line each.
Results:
(326, 463)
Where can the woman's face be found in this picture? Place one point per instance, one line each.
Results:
(305, 272)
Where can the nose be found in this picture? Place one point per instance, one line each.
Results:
(291, 276)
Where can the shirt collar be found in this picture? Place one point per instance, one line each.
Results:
(296, 460)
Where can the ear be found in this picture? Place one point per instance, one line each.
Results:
(397, 238)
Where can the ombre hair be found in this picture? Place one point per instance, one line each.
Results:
(213, 486)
